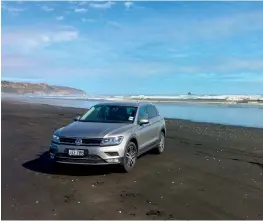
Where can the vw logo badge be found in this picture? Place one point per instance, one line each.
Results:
(78, 141)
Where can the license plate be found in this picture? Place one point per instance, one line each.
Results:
(76, 152)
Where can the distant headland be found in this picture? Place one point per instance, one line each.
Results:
(38, 89)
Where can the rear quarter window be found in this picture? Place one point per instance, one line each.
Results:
(152, 111)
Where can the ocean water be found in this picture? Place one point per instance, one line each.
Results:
(230, 114)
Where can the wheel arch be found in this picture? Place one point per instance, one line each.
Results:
(135, 141)
(163, 130)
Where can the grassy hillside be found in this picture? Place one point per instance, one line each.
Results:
(32, 88)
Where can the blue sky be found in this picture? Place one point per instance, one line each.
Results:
(136, 47)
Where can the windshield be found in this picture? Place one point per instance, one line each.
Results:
(110, 114)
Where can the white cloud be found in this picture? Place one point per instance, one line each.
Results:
(80, 10)
(46, 8)
(64, 36)
(220, 27)
(113, 23)
(83, 3)
(192, 30)
(12, 10)
(59, 18)
(73, 2)
(128, 4)
(102, 5)
(88, 20)
(27, 40)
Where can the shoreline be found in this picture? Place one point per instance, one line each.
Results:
(191, 101)
(10, 101)
(188, 101)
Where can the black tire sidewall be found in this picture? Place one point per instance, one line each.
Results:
(158, 147)
(124, 165)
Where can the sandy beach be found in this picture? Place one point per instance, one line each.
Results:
(207, 171)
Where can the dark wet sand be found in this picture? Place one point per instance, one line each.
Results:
(207, 171)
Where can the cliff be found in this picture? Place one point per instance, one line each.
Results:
(31, 88)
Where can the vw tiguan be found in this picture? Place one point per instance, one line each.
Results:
(110, 133)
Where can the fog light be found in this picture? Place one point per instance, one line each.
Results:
(112, 154)
(113, 160)
(52, 156)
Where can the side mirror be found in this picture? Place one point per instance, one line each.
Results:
(77, 118)
(143, 121)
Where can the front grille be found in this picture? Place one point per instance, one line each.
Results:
(66, 140)
(92, 141)
(80, 160)
(85, 142)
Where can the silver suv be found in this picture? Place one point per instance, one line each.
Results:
(110, 133)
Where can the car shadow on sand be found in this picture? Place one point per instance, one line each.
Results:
(42, 164)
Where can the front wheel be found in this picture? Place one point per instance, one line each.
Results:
(130, 157)
(160, 147)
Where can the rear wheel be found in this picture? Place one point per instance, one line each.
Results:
(160, 147)
(130, 157)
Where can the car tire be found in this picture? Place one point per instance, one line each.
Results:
(160, 147)
(130, 157)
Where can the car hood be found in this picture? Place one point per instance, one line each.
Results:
(91, 129)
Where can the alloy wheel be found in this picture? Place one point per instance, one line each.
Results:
(130, 157)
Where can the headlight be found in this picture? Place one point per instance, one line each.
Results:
(55, 138)
(109, 141)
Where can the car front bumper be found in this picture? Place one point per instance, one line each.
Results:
(94, 155)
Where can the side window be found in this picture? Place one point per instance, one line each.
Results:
(152, 111)
(156, 111)
(131, 111)
(143, 113)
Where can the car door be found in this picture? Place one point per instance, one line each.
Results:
(154, 123)
(143, 132)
